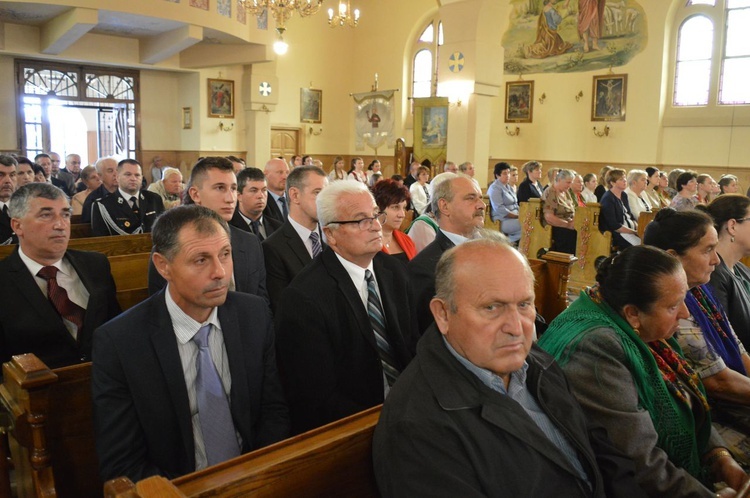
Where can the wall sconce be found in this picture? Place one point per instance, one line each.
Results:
(543, 98)
(224, 127)
(512, 133)
(312, 131)
(579, 96)
(603, 133)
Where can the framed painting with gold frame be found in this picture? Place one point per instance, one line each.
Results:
(220, 98)
(431, 128)
(609, 97)
(519, 101)
(310, 105)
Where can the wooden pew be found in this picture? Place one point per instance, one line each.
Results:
(109, 246)
(644, 219)
(488, 223)
(331, 461)
(130, 272)
(51, 434)
(591, 246)
(534, 236)
(80, 230)
(551, 275)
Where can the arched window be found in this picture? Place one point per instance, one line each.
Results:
(712, 59)
(425, 60)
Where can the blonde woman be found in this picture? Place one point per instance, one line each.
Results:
(337, 172)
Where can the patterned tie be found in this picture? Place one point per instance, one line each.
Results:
(284, 210)
(377, 320)
(59, 298)
(315, 239)
(217, 427)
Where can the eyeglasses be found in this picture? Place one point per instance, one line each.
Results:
(740, 220)
(364, 223)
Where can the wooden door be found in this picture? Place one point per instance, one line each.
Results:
(286, 142)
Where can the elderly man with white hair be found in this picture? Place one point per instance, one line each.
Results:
(345, 326)
(169, 188)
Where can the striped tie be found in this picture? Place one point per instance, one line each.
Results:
(316, 247)
(215, 415)
(377, 320)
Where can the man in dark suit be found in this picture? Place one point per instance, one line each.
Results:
(276, 172)
(53, 298)
(252, 196)
(129, 209)
(459, 209)
(8, 175)
(186, 379)
(292, 247)
(71, 172)
(45, 161)
(213, 185)
(345, 328)
(412, 176)
(107, 169)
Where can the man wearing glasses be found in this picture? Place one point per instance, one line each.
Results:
(345, 329)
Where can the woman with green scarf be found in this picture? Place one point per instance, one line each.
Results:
(616, 347)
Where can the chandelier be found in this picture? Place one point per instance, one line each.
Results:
(345, 16)
(282, 10)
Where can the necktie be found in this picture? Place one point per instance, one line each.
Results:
(426, 193)
(316, 247)
(5, 210)
(217, 427)
(377, 320)
(134, 206)
(254, 226)
(59, 298)
(282, 201)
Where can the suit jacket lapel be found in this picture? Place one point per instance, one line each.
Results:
(95, 299)
(295, 243)
(240, 258)
(230, 329)
(387, 294)
(25, 282)
(350, 293)
(165, 348)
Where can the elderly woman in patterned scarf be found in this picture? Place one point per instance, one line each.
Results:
(616, 346)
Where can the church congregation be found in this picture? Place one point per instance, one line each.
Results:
(438, 281)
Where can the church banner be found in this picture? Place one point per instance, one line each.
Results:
(374, 119)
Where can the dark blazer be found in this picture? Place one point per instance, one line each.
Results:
(272, 209)
(461, 438)
(30, 324)
(285, 255)
(142, 416)
(327, 354)
(421, 271)
(612, 216)
(249, 269)
(409, 180)
(150, 206)
(528, 190)
(269, 224)
(61, 185)
(94, 196)
(69, 179)
(7, 236)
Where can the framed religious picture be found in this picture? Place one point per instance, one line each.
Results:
(187, 118)
(609, 97)
(430, 128)
(310, 105)
(519, 101)
(220, 98)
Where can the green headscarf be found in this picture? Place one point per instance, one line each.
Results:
(673, 419)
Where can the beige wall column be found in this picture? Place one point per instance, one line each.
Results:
(260, 94)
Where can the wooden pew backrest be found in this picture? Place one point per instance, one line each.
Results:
(331, 461)
(52, 441)
(130, 272)
(109, 246)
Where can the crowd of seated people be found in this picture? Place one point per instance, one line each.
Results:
(278, 305)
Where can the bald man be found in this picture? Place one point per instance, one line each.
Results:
(276, 172)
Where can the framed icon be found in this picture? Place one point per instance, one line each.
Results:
(310, 105)
(519, 101)
(609, 97)
(220, 98)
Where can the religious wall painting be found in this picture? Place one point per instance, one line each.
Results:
(261, 21)
(241, 12)
(561, 36)
(519, 102)
(310, 105)
(200, 4)
(224, 8)
(220, 98)
(609, 97)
